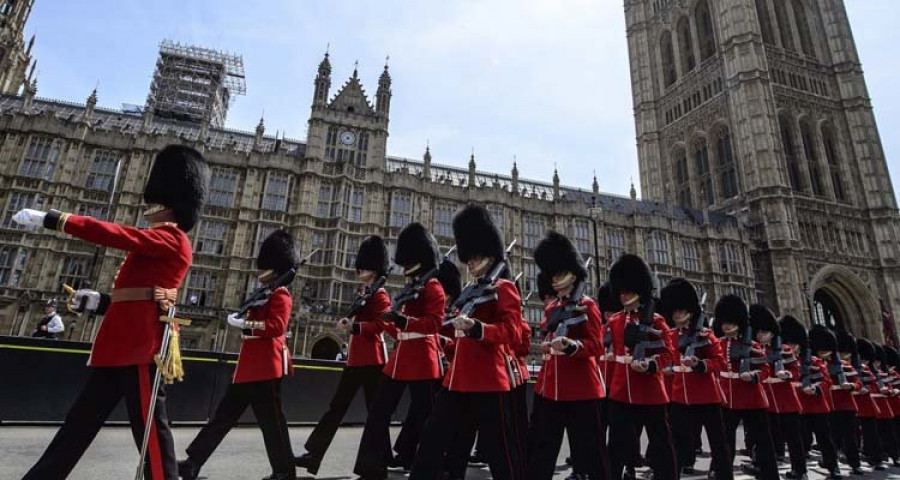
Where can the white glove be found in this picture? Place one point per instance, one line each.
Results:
(236, 321)
(463, 323)
(561, 343)
(29, 217)
(89, 298)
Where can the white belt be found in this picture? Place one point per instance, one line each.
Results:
(773, 380)
(249, 337)
(859, 393)
(800, 384)
(623, 359)
(729, 375)
(879, 395)
(682, 369)
(413, 335)
(837, 387)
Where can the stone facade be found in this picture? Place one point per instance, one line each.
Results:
(759, 108)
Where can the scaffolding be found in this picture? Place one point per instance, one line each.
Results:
(195, 84)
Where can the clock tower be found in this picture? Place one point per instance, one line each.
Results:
(348, 128)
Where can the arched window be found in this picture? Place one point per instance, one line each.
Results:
(682, 177)
(701, 165)
(784, 25)
(765, 21)
(806, 43)
(790, 156)
(727, 167)
(667, 54)
(834, 163)
(686, 45)
(705, 35)
(812, 159)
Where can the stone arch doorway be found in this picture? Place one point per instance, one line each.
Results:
(840, 299)
(325, 349)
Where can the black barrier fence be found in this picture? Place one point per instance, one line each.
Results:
(39, 380)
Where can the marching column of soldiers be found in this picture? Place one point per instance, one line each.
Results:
(613, 367)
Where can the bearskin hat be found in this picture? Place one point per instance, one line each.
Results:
(821, 339)
(891, 356)
(879, 352)
(556, 254)
(792, 331)
(607, 301)
(631, 274)
(763, 320)
(416, 245)
(679, 294)
(372, 255)
(732, 309)
(717, 328)
(451, 279)
(866, 349)
(545, 286)
(178, 180)
(277, 253)
(476, 234)
(845, 341)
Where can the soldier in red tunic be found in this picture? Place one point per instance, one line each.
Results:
(741, 380)
(882, 396)
(415, 362)
(784, 406)
(696, 399)
(481, 374)
(815, 396)
(869, 410)
(367, 353)
(263, 361)
(121, 362)
(843, 418)
(891, 363)
(571, 386)
(637, 395)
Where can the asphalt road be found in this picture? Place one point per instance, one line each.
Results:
(242, 456)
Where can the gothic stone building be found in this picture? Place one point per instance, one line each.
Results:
(759, 108)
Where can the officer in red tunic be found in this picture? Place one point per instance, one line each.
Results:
(869, 410)
(480, 377)
(121, 362)
(637, 395)
(571, 387)
(784, 405)
(886, 413)
(415, 362)
(367, 353)
(843, 417)
(815, 396)
(263, 361)
(696, 399)
(742, 381)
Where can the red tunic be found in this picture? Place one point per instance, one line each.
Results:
(868, 408)
(694, 388)
(604, 364)
(367, 347)
(883, 400)
(819, 402)
(417, 355)
(480, 365)
(627, 385)
(738, 394)
(576, 377)
(844, 400)
(264, 353)
(781, 394)
(131, 333)
(522, 349)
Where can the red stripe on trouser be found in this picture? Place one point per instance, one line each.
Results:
(504, 440)
(156, 468)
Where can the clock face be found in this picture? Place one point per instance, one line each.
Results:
(348, 138)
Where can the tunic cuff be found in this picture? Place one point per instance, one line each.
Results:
(55, 220)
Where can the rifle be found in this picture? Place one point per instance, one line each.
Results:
(774, 357)
(836, 370)
(646, 337)
(688, 344)
(569, 313)
(526, 298)
(362, 300)
(808, 378)
(261, 295)
(413, 288)
(743, 352)
(478, 292)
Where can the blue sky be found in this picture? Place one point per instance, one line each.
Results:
(544, 81)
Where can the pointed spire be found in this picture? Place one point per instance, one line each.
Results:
(596, 185)
(385, 78)
(356, 69)
(633, 192)
(383, 94)
(426, 162)
(30, 45)
(323, 81)
(515, 176)
(90, 104)
(556, 193)
(325, 64)
(260, 131)
(472, 169)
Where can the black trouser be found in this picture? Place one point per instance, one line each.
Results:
(844, 430)
(352, 379)
(582, 419)
(492, 412)
(374, 453)
(817, 423)
(872, 447)
(104, 388)
(888, 438)
(264, 397)
(625, 420)
(756, 425)
(685, 420)
(789, 428)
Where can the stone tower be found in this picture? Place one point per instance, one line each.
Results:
(759, 108)
(15, 56)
